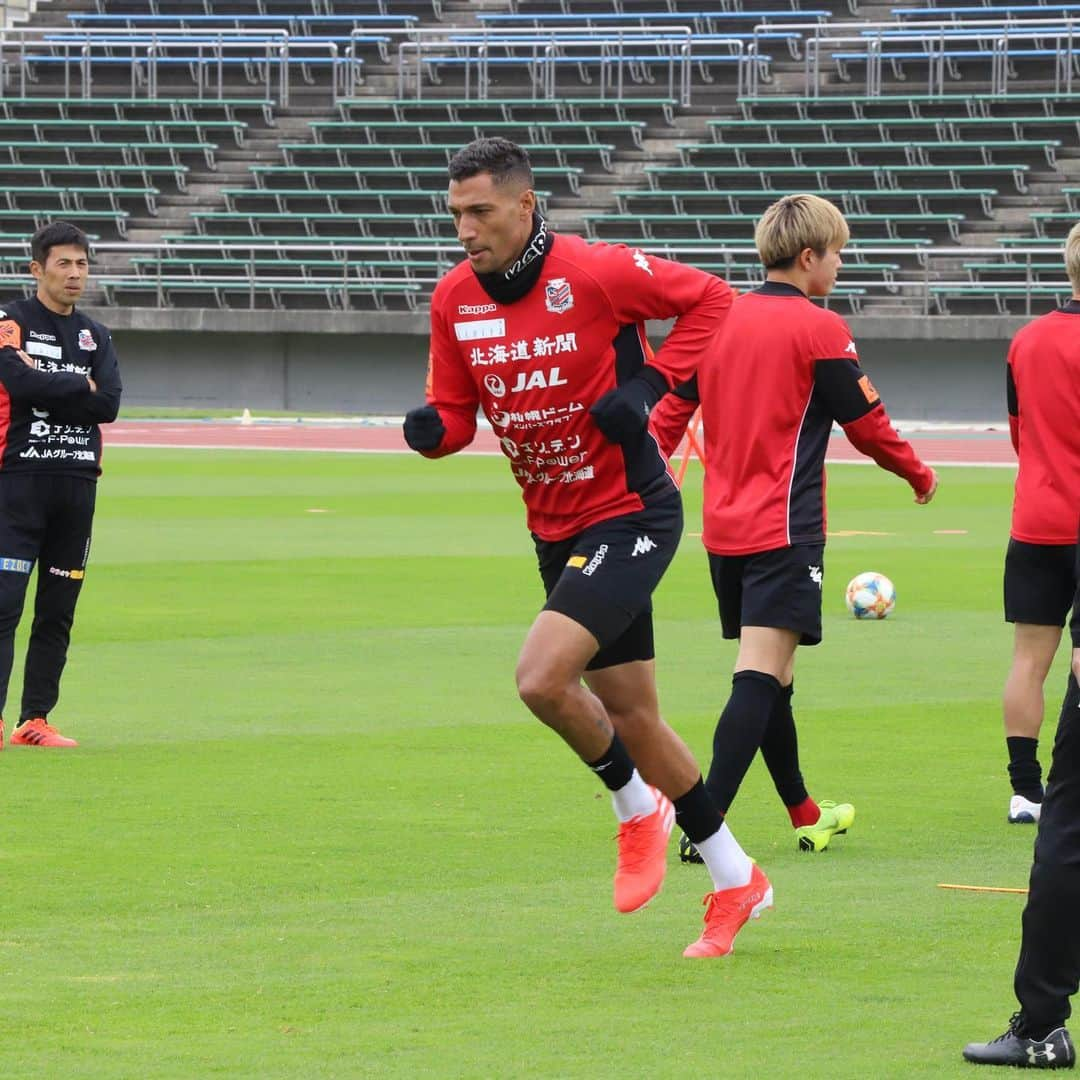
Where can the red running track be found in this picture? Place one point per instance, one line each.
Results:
(952, 448)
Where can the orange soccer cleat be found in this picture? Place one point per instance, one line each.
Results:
(642, 862)
(727, 911)
(39, 732)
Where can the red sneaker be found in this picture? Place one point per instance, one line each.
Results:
(642, 861)
(727, 911)
(39, 732)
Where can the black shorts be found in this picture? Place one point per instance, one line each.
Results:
(1040, 582)
(604, 578)
(780, 588)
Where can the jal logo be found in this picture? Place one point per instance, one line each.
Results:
(558, 295)
(494, 386)
(86, 341)
(537, 380)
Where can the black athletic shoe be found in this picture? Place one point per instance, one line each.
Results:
(1015, 1048)
(687, 851)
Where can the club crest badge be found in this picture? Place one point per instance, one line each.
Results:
(86, 341)
(558, 296)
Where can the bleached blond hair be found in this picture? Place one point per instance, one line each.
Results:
(797, 222)
(1072, 257)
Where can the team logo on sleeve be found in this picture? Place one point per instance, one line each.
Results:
(10, 335)
(558, 296)
(867, 387)
(86, 341)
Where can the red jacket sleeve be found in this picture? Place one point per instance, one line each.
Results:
(669, 419)
(450, 387)
(641, 287)
(873, 435)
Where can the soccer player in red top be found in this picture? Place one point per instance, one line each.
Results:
(1043, 390)
(782, 370)
(546, 334)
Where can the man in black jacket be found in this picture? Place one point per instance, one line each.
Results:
(59, 380)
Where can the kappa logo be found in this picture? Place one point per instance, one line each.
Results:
(642, 546)
(494, 386)
(850, 347)
(641, 261)
(815, 575)
(86, 341)
(595, 561)
(476, 309)
(39, 337)
(558, 296)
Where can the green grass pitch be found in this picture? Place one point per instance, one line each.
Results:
(311, 832)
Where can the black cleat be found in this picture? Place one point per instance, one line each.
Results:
(1055, 1051)
(687, 851)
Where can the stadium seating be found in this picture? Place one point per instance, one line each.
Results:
(347, 191)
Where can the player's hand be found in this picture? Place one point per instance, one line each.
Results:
(926, 496)
(423, 428)
(622, 415)
(93, 385)
(29, 361)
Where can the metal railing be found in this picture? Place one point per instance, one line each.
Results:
(265, 56)
(941, 46)
(623, 55)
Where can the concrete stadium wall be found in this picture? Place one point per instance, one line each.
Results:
(937, 369)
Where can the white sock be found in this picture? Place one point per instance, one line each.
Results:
(633, 799)
(728, 864)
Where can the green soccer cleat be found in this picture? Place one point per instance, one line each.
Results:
(835, 818)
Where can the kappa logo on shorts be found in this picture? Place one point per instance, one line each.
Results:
(815, 575)
(642, 546)
(595, 561)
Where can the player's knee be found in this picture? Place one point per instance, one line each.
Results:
(541, 690)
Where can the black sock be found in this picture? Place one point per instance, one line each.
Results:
(1025, 772)
(780, 750)
(739, 732)
(696, 813)
(614, 767)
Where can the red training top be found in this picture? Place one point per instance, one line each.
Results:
(782, 371)
(1043, 386)
(535, 366)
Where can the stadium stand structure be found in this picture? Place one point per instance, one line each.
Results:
(296, 157)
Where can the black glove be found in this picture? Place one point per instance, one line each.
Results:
(423, 428)
(622, 415)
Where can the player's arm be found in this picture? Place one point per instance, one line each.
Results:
(21, 379)
(640, 287)
(856, 406)
(102, 405)
(447, 423)
(673, 412)
(1013, 403)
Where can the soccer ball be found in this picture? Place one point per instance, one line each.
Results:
(870, 596)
